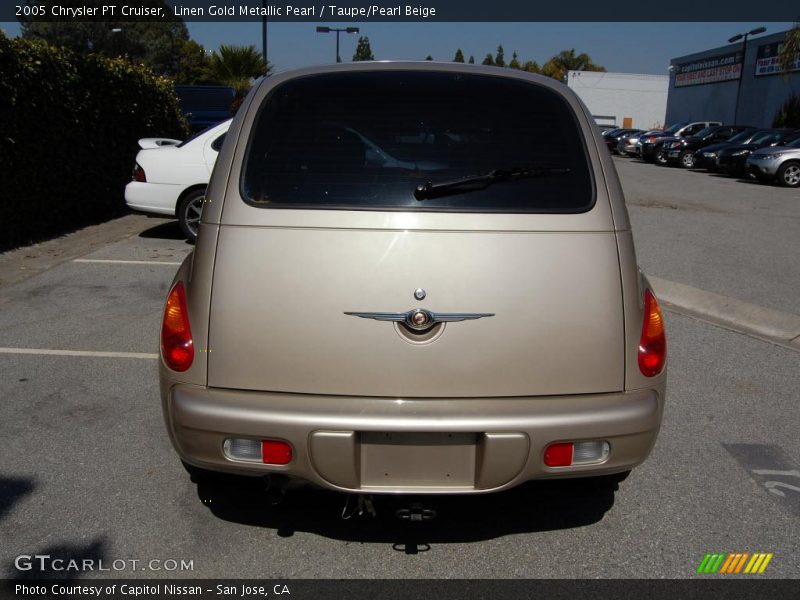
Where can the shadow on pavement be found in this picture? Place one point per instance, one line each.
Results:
(531, 507)
(165, 231)
(12, 489)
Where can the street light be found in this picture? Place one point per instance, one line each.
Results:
(338, 31)
(736, 38)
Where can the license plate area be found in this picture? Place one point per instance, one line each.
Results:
(417, 461)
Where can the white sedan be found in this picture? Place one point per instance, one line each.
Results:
(170, 176)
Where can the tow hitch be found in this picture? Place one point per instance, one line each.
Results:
(415, 512)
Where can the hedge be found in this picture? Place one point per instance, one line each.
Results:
(68, 130)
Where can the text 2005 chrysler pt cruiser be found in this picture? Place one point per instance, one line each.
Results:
(413, 278)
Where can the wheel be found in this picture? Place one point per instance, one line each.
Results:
(661, 157)
(789, 174)
(188, 212)
(686, 159)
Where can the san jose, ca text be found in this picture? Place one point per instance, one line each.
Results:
(155, 590)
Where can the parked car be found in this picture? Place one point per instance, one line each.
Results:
(706, 158)
(170, 177)
(373, 328)
(205, 105)
(776, 163)
(652, 148)
(630, 145)
(683, 151)
(612, 139)
(731, 160)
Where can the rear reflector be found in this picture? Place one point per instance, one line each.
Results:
(566, 454)
(177, 347)
(270, 452)
(558, 455)
(653, 342)
(275, 452)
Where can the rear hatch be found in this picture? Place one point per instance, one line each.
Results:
(321, 219)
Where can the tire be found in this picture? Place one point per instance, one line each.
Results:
(188, 212)
(686, 159)
(661, 157)
(789, 174)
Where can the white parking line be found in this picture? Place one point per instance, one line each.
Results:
(91, 353)
(126, 262)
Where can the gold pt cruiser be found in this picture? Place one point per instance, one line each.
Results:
(413, 278)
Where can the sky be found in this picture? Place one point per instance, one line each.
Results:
(621, 47)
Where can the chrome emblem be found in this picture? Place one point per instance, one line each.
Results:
(419, 319)
(419, 294)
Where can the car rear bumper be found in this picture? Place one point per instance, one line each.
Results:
(157, 198)
(390, 445)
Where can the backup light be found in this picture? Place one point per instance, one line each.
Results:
(270, 452)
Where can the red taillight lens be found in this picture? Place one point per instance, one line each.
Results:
(177, 348)
(558, 455)
(653, 343)
(275, 452)
(138, 173)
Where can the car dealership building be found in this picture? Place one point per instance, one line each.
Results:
(622, 99)
(703, 86)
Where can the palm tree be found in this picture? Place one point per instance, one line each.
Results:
(236, 66)
(567, 60)
(790, 49)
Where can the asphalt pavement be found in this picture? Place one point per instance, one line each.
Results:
(86, 469)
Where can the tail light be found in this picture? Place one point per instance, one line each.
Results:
(653, 342)
(138, 173)
(177, 347)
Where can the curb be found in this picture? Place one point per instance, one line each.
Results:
(778, 327)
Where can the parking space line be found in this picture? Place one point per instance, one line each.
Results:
(126, 262)
(90, 353)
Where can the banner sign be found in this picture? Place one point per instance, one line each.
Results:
(768, 63)
(712, 69)
(362, 11)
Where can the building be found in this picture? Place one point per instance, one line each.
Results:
(703, 86)
(622, 99)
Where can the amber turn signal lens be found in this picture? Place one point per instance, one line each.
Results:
(177, 347)
(653, 342)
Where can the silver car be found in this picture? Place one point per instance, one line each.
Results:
(372, 326)
(777, 163)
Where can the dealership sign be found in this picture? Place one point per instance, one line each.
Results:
(768, 62)
(711, 69)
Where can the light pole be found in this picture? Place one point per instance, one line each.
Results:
(338, 31)
(264, 36)
(736, 38)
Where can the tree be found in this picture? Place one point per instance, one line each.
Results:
(192, 63)
(489, 60)
(790, 49)
(514, 64)
(531, 66)
(567, 60)
(499, 59)
(236, 66)
(363, 50)
(459, 57)
(789, 114)
(471, 60)
(155, 43)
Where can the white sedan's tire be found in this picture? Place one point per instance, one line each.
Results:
(188, 212)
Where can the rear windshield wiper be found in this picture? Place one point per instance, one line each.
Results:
(474, 183)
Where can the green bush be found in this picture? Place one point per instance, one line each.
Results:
(789, 114)
(68, 131)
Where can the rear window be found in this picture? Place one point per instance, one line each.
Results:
(368, 140)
